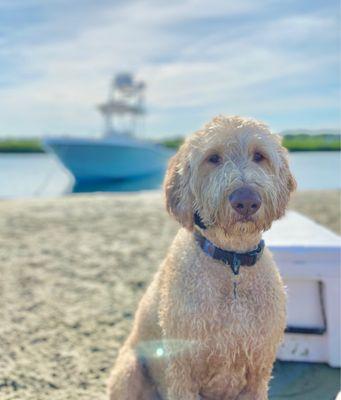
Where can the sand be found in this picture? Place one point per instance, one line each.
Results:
(72, 270)
(324, 206)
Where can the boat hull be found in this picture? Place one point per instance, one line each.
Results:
(109, 159)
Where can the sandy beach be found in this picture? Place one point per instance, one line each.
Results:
(72, 270)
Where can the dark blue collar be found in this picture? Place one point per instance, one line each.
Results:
(198, 221)
(231, 258)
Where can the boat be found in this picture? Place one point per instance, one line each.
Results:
(118, 154)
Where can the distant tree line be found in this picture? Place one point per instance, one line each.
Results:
(21, 146)
(306, 142)
(293, 142)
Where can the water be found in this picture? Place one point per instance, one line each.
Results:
(316, 170)
(41, 175)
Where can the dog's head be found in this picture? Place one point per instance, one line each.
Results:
(234, 173)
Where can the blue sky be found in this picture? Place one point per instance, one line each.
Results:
(276, 60)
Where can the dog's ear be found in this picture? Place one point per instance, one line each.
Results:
(285, 170)
(292, 184)
(177, 190)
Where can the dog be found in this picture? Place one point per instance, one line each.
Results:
(210, 323)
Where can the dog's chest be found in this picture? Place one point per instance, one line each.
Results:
(231, 326)
(233, 307)
(233, 310)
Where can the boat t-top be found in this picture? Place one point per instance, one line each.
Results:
(118, 154)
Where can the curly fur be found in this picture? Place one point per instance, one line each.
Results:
(192, 338)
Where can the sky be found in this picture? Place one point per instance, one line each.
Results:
(274, 60)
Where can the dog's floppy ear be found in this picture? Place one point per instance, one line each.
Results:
(292, 184)
(176, 188)
(285, 170)
(291, 181)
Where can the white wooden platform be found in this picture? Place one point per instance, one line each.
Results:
(308, 256)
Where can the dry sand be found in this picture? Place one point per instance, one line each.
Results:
(71, 273)
(324, 206)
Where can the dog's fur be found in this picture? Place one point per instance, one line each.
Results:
(192, 337)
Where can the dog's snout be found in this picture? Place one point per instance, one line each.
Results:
(245, 201)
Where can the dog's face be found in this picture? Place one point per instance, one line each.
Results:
(234, 173)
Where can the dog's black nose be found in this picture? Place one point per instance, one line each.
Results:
(245, 201)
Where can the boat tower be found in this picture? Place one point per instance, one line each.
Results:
(125, 105)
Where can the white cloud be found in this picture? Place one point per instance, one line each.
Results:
(69, 75)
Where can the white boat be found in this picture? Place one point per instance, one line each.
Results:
(117, 155)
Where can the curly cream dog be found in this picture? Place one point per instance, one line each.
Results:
(208, 329)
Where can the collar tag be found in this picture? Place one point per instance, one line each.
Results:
(235, 264)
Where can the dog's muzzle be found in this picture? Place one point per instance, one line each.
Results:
(245, 201)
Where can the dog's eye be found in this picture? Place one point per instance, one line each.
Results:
(258, 157)
(214, 159)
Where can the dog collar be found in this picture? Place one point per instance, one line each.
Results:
(198, 221)
(233, 259)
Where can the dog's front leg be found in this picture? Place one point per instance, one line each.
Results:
(257, 384)
(180, 384)
(258, 392)
(127, 380)
(261, 393)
